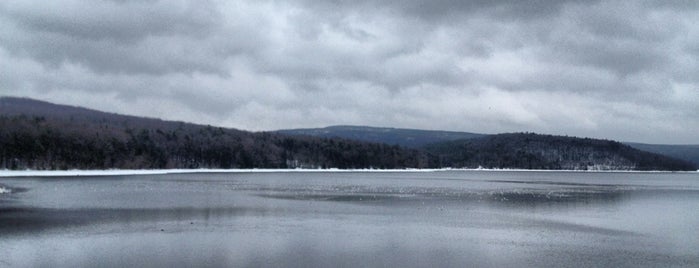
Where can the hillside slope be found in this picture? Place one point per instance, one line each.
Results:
(688, 153)
(41, 135)
(415, 138)
(534, 151)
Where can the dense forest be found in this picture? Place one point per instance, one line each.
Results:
(535, 151)
(39, 143)
(41, 135)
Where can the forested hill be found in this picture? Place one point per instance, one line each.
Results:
(41, 135)
(411, 138)
(685, 152)
(416, 138)
(534, 151)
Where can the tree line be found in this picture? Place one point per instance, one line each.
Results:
(34, 142)
(536, 151)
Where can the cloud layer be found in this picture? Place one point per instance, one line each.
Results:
(626, 70)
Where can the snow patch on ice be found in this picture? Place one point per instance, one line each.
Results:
(4, 190)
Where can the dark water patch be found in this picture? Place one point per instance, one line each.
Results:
(336, 197)
(578, 256)
(551, 225)
(512, 197)
(562, 183)
(537, 196)
(21, 220)
(583, 196)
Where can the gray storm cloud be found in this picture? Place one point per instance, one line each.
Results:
(623, 70)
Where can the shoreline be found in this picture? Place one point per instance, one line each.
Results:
(134, 172)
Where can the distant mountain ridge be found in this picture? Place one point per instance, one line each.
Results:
(415, 138)
(411, 138)
(41, 135)
(687, 152)
(14, 106)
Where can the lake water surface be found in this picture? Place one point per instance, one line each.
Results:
(351, 219)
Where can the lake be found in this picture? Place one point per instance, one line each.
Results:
(352, 219)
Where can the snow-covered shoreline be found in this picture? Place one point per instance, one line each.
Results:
(126, 172)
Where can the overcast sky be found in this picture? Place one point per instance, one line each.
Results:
(625, 70)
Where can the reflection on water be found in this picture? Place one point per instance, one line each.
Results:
(441, 219)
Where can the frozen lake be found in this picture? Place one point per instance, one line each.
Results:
(352, 219)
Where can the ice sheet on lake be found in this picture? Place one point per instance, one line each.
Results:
(123, 172)
(120, 172)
